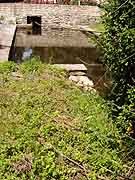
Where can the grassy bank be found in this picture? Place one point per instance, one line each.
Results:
(50, 129)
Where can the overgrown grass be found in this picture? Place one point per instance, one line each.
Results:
(98, 27)
(50, 129)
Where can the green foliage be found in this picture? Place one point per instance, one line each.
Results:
(33, 65)
(47, 124)
(119, 55)
(7, 67)
(118, 45)
(126, 118)
(97, 27)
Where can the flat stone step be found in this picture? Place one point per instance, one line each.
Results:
(7, 33)
(72, 67)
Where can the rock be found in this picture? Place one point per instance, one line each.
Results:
(86, 88)
(80, 84)
(83, 82)
(73, 78)
(92, 90)
(16, 75)
(86, 81)
(77, 73)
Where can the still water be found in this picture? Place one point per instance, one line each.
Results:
(60, 47)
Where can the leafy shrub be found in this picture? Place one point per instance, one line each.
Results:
(126, 118)
(119, 45)
(119, 54)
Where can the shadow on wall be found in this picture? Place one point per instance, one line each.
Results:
(2, 47)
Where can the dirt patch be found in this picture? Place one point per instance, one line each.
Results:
(23, 165)
(67, 122)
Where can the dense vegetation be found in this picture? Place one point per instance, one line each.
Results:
(50, 129)
(119, 56)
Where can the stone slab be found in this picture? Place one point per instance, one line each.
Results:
(72, 67)
(7, 33)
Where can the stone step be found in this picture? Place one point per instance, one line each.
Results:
(72, 67)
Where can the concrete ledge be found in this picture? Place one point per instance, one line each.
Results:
(72, 67)
(6, 39)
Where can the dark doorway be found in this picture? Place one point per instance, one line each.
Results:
(36, 24)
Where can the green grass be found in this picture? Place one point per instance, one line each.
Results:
(98, 27)
(50, 129)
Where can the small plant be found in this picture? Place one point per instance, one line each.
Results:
(7, 67)
(32, 65)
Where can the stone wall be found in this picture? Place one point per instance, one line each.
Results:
(53, 38)
(53, 16)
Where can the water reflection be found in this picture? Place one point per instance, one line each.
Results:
(27, 46)
(27, 53)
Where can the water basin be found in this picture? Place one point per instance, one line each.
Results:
(60, 47)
